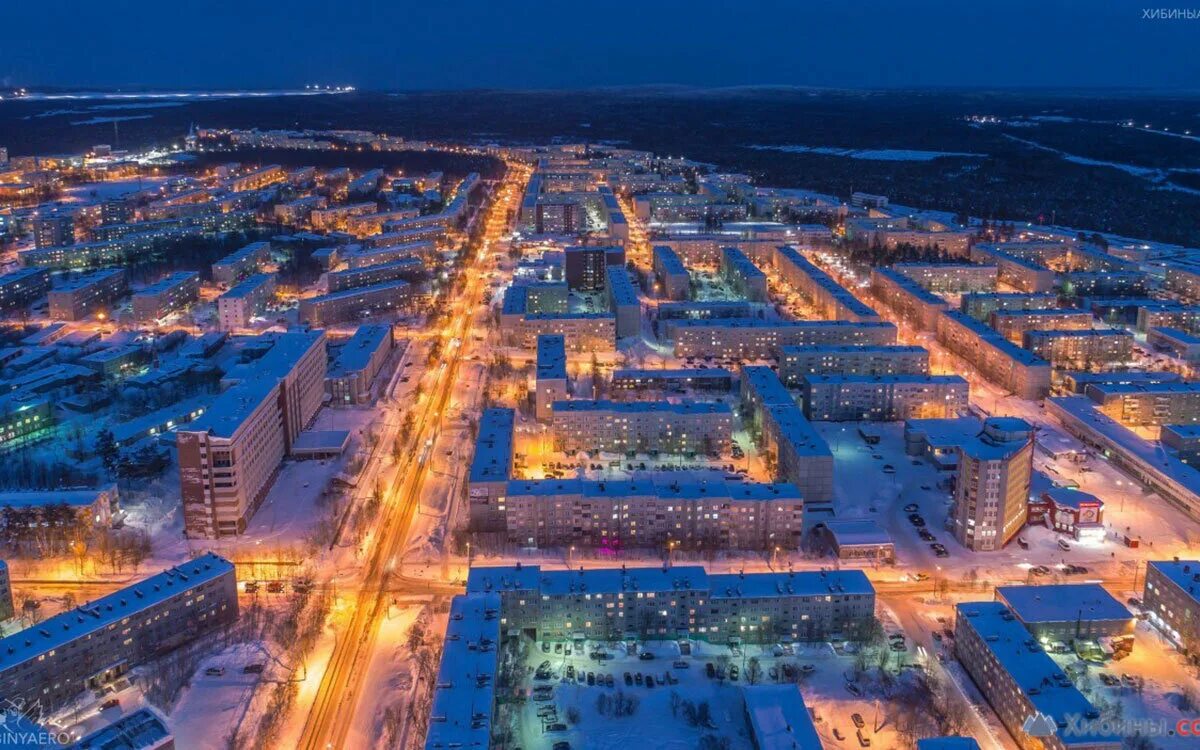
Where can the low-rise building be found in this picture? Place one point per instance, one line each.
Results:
(143, 729)
(1067, 612)
(1172, 601)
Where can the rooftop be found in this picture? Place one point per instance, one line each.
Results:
(492, 461)
(169, 282)
(641, 407)
(1183, 573)
(1062, 602)
(355, 354)
(551, 357)
(461, 715)
(779, 720)
(142, 729)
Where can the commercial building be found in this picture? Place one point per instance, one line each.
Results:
(745, 277)
(229, 457)
(79, 297)
(1014, 324)
(23, 287)
(888, 398)
(1082, 350)
(238, 265)
(859, 540)
(1020, 680)
(491, 468)
(168, 295)
(247, 300)
(998, 359)
(801, 456)
(357, 303)
(752, 338)
(672, 275)
(1160, 470)
(796, 362)
(640, 514)
(99, 642)
(1069, 511)
(356, 362)
(1067, 612)
(550, 378)
(679, 602)
(688, 427)
(634, 383)
(1172, 601)
(623, 301)
(915, 304)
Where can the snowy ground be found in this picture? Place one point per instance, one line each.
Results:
(824, 690)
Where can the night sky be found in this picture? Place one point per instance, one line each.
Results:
(399, 44)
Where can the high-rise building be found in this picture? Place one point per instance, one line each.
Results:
(991, 495)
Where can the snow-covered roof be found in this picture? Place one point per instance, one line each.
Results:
(461, 716)
(144, 729)
(492, 461)
(1064, 602)
(1183, 573)
(779, 719)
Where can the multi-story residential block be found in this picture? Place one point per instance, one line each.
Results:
(170, 294)
(1168, 315)
(238, 265)
(357, 303)
(679, 602)
(1013, 270)
(980, 306)
(1178, 343)
(998, 359)
(22, 287)
(79, 297)
(334, 218)
(229, 457)
(409, 269)
(97, 643)
(258, 179)
(800, 455)
(1020, 680)
(633, 383)
(1143, 404)
(914, 303)
(623, 301)
(491, 468)
(991, 493)
(741, 273)
(753, 338)
(640, 514)
(355, 363)
(1082, 350)
(1067, 612)
(887, 398)
(585, 266)
(950, 278)
(55, 229)
(248, 299)
(1013, 324)
(796, 362)
(673, 278)
(1183, 279)
(833, 300)
(550, 377)
(642, 426)
(1172, 601)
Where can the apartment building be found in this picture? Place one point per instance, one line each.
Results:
(688, 427)
(1183, 279)
(915, 304)
(170, 294)
(247, 300)
(998, 359)
(354, 363)
(1020, 680)
(23, 287)
(1082, 350)
(229, 457)
(238, 265)
(585, 266)
(550, 376)
(640, 514)
(1014, 324)
(99, 642)
(801, 456)
(980, 306)
(623, 301)
(82, 295)
(408, 269)
(679, 602)
(491, 469)
(951, 278)
(1172, 601)
(634, 383)
(1067, 612)
(887, 398)
(991, 492)
(673, 278)
(357, 303)
(754, 338)
(54, 229)
(796, 362)
(740, 272)
(1168, 315)
(832, 300)
(533, 310)
(1147, 404)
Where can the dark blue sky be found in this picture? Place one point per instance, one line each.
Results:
(400, 44)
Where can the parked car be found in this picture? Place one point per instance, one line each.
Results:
(911, 508)
(215, 671)
(858, 720)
